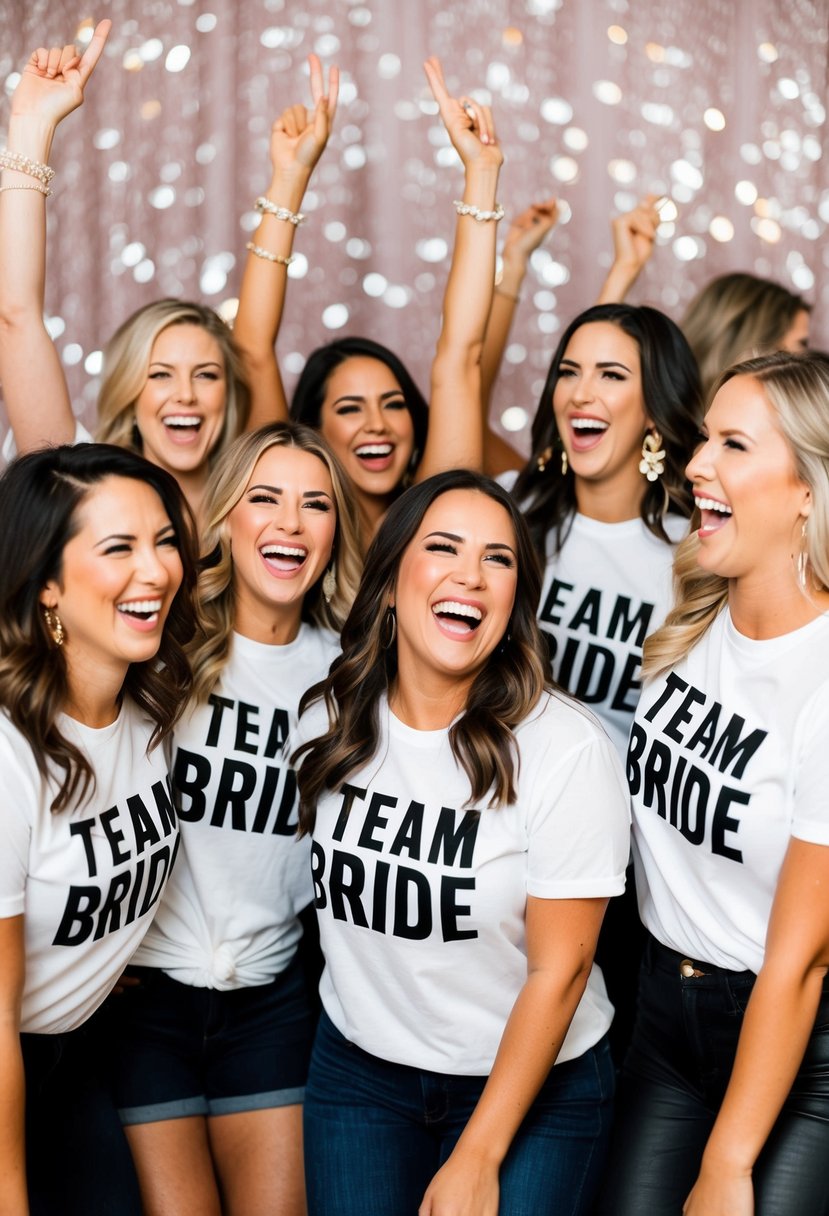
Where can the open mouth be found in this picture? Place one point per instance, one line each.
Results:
(457, 618)
(140, 612)
(375, 456)
(183, 427)
(284, 559)
(713, 514)
(586, 432)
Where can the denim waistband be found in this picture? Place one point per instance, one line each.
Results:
(663, 958)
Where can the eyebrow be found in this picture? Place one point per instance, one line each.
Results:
(459, 540)
(279, 490)
(130, 536)
(393, 392)
(608, 363)
(207, 363)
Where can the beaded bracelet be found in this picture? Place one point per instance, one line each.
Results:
(477, 213)
(259, 252)
(44, 190)
(24, 164)
(266, 207)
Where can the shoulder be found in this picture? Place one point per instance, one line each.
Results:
(677, 527)
(559, 725)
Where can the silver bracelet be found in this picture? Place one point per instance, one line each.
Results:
(24, 164)
(259, 252)
(266, 207)
(477, 213)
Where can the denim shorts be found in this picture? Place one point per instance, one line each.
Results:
(377, 1132)
(179, 1051)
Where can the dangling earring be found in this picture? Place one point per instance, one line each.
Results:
(329, 583)
(802, 559)
(390, 629)
(652, 463)
(544, 459)
(54, 626)
(564, 464)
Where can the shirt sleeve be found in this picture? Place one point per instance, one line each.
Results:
(810, 814)
(16, 815)
(578, 821)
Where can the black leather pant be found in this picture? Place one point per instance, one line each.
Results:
(673, 1082)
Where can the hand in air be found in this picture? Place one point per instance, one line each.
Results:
(468, 123)
(52, 83)
(634, 233)
(528, 230)
(299, 136)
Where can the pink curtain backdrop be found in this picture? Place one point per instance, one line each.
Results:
(717, 103)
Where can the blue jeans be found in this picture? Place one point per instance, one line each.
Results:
(672, 1085)
(376, 1133)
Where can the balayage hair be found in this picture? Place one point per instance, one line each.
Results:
(671, 398)
(797, 387)
(127, 358)
(40, 498)
(737, 317)
(309, 394)
(228, 482)
(503, 693)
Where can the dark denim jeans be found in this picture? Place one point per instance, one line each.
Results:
(376, 1133)
(671, 1087)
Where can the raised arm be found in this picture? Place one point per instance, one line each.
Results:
(634, 234)
(34, 387)
(526, 233)
(298, 138)
(778, 1021)
(561, 940)
(12, 1087)
(454, 439)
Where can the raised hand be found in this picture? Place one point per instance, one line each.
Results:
(468, 123)
(634, 233)
(299, 136)
(528, 230)
(53, 81)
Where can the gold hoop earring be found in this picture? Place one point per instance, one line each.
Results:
(652, 464)
(54, 626)
(329, 583)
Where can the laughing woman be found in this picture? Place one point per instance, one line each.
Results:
(726, 1089)
(215, 1038)
(469, 823)
(97, 570)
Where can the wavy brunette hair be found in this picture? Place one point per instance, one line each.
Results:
(306, 404)
(672, 399)
(797, 387)
(503, 693)
(41, 495)
(127, 358)
(735, 317)
(210, 650)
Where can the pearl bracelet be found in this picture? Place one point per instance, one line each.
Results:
(24, 164)
(266, 207)
(259, 252)
(477, 213)
(44, 190)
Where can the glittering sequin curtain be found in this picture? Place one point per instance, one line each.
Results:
(717, 103)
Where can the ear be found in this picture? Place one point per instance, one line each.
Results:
(806, 504)
(49, 595)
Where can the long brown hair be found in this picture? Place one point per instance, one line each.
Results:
(503, 693)
(40, 496)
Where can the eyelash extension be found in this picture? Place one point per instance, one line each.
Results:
(437, 546)
(317, 505)
(502, 559)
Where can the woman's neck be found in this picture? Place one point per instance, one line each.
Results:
(428, 704)
(765, 607)
(611, 501)
(93, 695)
(270, 624)
(371, 508)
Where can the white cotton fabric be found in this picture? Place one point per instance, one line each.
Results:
(9, 449)
(58, 869)
(718, 793)
(229, 915)
(436, 999)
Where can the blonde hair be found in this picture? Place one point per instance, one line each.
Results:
(127, 358)
(797, 387)
(211, 649)
(737, 317)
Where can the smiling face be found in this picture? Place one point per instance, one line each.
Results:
(366, 421)
(600, 409)
(119, 575)
(281, 536)
(455, 590)
(180, 411)
(751, 500)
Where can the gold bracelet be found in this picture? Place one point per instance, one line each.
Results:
(44, 190)
(499, 291)
(259, 252)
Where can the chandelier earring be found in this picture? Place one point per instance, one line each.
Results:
(329, 583)
(54, 626)
(652, 464)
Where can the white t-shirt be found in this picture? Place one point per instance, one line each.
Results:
(606, 589)
(421, 903)
(86, 879)
(229, 915)
(9, 448)
(729, 758)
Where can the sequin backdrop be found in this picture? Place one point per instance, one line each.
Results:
(717, 103)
